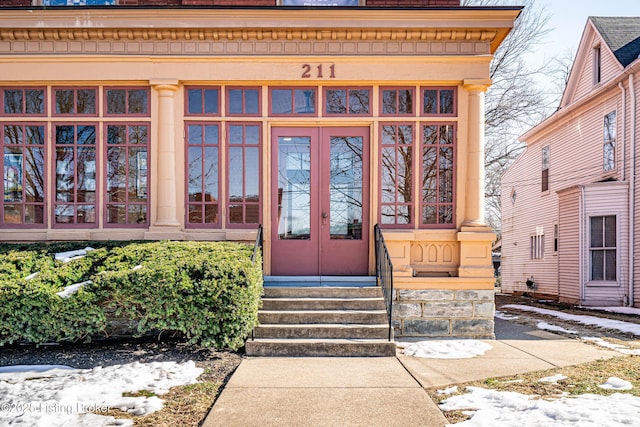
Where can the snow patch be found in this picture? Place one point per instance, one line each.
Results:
(447, 391)
(620, 310)
(554, 328)
(553, 379)
(617, 347)
(632, 328)
(72, 289)
(55, 395)
(615, 383)
(507, 409)
(504, 316)
(67, 256)
(446, 349)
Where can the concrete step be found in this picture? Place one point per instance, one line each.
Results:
(320, 348)
(368, 317)
(271, 304)
(339, 331)
(323, 292)
(319, 281)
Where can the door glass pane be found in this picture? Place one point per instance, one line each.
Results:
(294, 188)
(345, 188)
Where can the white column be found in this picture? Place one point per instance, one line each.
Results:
(474, 185)
(166, 214)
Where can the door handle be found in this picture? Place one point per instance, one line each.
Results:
(324, 218)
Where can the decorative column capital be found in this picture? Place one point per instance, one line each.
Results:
(162, 85)
(476, 85)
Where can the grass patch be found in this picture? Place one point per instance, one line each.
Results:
(581, 379)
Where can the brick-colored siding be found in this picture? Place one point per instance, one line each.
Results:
(370, 3)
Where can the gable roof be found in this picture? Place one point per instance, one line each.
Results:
(622, 35)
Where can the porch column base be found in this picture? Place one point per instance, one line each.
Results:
(475, 252)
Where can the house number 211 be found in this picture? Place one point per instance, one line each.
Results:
(307, 71)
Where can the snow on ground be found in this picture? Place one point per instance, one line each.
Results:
(507, 409)
(68, 256)
(615, 383)
(449, 390)
(445, 349)
(621, 326)
(504, 316)
(554, 328)
(617, 347)
(554, 379)
(620, 310)
(54, 395)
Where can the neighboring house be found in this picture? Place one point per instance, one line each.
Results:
(124, 119)
(570, 202)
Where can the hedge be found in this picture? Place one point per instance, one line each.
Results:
(207, 293)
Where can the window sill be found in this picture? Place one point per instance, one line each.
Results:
(603, 284)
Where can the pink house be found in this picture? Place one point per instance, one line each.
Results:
(570, 202)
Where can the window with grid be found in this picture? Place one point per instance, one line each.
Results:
(23, 165)
(438, 175)
(545, 169)
(603, 248)
(127, 180)
(396, 174)
(75, 174)
(203, 174)
(23, 101)
(439, 101)
(202, 101)
(130, 101)
(243, 154)
(397, 101)
(347, 101)
(243, 101)
(292, 101)
(75, 101)
(609, 146)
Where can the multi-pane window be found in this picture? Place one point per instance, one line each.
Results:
(127, 180)
(24, 178)
(438, 174)
(292, 101)
(243, 101)
(243, 154)
(127, 101)
(347, 101)
(397, 101)
(545, 168)
(609, 142)
(203, 204)
(438, 101)
(75, 174)
(203, 101)
(602, 248)
(536, 247)
(72, 101)
(23, 101)
(396, 159)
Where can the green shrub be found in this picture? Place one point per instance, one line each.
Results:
(208, 293)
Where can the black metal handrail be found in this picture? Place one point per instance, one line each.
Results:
(257, 248)
(258, 244)
(384, 273)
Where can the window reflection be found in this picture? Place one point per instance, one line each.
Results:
(294, 188)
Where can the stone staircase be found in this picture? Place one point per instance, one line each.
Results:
(321, 317)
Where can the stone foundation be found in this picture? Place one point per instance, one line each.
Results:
(436, 313)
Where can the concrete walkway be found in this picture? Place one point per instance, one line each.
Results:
(386, 391)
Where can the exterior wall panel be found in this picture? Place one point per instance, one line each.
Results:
(569, 276)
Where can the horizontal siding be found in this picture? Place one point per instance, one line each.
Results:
(609, 199)
(576, 150)
(610, 67)
(569, 245)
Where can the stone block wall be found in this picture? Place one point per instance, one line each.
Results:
(443, 313)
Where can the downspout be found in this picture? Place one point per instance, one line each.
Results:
(623, 93)
(632, 190)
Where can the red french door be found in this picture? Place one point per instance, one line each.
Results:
(320, 201)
